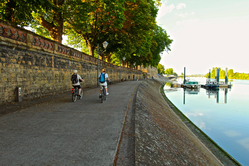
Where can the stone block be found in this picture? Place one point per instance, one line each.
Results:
(12, 60)
(2, 59)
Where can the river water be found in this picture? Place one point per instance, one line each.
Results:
(222, 114)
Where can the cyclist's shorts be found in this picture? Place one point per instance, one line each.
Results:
(103, 84)
(77, 86)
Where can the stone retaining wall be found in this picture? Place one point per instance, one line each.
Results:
(41, 66)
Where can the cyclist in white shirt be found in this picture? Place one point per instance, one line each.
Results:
(77, 84)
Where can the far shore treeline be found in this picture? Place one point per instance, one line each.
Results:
(230, 74)
(128, 26)
(222, 73)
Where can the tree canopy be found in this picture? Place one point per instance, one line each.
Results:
(129, 26)
(19, 12)
(160, 69)
(170, 71)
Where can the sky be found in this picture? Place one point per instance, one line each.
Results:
(206, 34)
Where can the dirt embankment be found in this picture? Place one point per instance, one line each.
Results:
(163, 138)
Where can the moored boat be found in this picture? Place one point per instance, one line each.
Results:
(192, 84)
(211, 84)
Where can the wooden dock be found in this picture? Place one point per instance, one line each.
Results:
(202, 86)
(225, 85)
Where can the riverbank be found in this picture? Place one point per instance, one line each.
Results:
(164, 136)
(136, 126)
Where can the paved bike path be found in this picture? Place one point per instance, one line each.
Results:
(61, 132)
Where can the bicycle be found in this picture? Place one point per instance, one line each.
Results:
(75, 94)
(103, 95)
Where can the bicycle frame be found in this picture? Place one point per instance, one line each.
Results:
(75, 94)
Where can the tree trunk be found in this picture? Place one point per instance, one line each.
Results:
(90, 48)
(11, 5)
(109, 59)
(55, 28)
(54, 31)
(102, 57)
(91, 51)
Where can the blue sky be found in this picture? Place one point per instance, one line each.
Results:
(206, 34)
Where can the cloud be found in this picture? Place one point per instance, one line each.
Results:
(164, 9)
(181, 5)
(184, 14)
(191, 22)
(195, 114)
(244, 143)
(232, 133)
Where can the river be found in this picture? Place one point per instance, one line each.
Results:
(222, 114)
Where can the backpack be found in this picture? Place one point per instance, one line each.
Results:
(102, 78)
(74, 79)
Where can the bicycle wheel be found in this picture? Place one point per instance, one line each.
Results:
(104, 92)
(74, 97)
(103, 95)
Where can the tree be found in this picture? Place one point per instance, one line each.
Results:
(46, 13)
(52, 19)
(94, 20)
(160, 69)
(139, 33)
(212, 74)
(222, 74)
(121, 22)
(19, 12)
(160, 42)
(230, 73)
(169, 71)
(140, 41)
(76, 41)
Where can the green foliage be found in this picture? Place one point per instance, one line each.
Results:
(161, 42)
(160, 69)
(115, 60)
(133, 40)
(19, 12)
(129, 26)
(230, 74)
(39, 29)
(76, 41)
(169, 71)
(93, 20)
(140, 41)
(243, 76)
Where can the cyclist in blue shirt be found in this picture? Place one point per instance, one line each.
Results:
(103, 83)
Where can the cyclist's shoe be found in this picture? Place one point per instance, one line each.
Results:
(100, 96)
(80, 96)
(107, 93)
